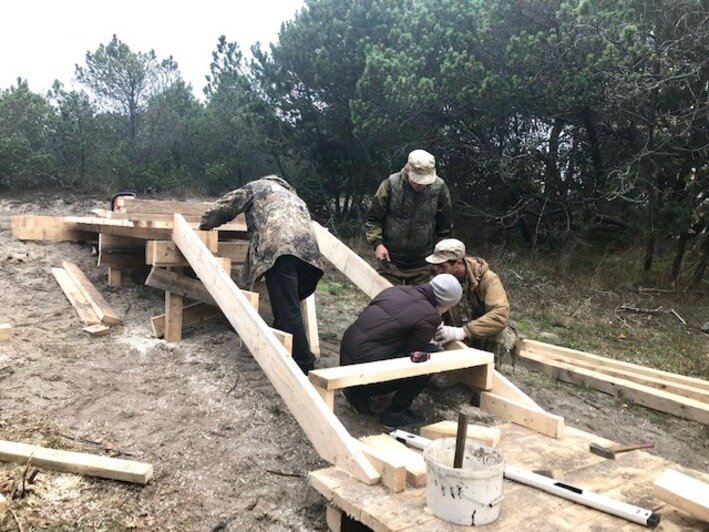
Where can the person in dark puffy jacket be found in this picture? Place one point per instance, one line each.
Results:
(401, 319)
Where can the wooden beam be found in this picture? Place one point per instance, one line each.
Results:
(389, 465)
(76, 297)
(3, 504)
(164, 253)
(670, 403)
(349, 263)
(47, 228)
(684, 492)
(5, 332)
(489, 436)
(327, 434)
(73, 462)
(236, 250)
(333, 518)
(114, 277)
(166, 207)
(97, 330)
(120, 251)
(637, 369)
(145, 230)
(188, 287)
(396, 368)
(173, 314)
(310, 321)
(413, 461)
(103, 310)
(542, 422)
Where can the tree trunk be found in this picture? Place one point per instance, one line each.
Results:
(649, 253)
(679, 256)
(702, 264)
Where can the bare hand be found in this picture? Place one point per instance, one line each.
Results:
(382, 253)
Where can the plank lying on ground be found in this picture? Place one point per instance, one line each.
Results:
(5, 332)
(542, 422)
(186, 286)
(683, 492)
(327, 434)
(643, 395)
(97, 330)
(544, 348)
(489, 436)
(47, 228)
(76, 297)
(3, 504)
(103, 310)
(631, 375)
(397, 368)
(73, 462)
(413, 460)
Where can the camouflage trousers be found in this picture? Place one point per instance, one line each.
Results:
(398, 276)
(506, 343)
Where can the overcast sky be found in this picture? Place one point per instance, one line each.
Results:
(42, 40)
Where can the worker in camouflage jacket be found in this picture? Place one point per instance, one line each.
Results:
(410, 212)
(282, 248)
(481, 319)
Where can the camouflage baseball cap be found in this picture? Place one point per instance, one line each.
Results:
(447, 249)
(422, 167)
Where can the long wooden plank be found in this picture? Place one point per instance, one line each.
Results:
(5, 332)
(236, 250)
(397, 368)
(542, 422)
(103, 310)
(349, 263)
(646, 380)
(327, 434)
(73, 462)
(146, 230)
(684, 492)
(643, 395)
(164, 253)
(413, 460)
(75, 297)
(489, 436)
(47, 228)
(166, 207)
(544, 348)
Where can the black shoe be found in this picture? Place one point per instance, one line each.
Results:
(305, 368)
(358, 404)
(405, 418)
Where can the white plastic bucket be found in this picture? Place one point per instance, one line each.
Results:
(467, 496)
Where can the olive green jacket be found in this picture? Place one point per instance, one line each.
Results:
(485, 299)
(277, 220)
(409, 223)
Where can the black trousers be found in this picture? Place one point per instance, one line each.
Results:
(289, 281)
(406, 389)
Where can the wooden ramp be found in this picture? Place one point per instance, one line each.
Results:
(629, 478)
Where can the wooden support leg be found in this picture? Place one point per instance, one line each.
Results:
(114, 277)
(173, 317)
(310, 321)
(328, 396)
(333, 517)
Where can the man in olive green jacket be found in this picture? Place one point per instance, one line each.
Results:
(481, 319)
(410, 212)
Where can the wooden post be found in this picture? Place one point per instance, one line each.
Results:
(310, 321)
(114, 277)
(173, 315)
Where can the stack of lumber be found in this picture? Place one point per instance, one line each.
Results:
(675, 394)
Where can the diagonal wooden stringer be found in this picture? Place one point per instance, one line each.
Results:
(327, 434)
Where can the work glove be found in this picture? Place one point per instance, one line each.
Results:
(446, 334)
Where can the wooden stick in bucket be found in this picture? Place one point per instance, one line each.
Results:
(460, 437)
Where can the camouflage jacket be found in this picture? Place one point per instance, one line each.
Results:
(484, 309)
(407, 222)
(277, 220)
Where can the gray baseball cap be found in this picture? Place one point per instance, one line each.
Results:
(447, 249)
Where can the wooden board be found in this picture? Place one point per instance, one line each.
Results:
(390, 466)
(96, 300)
(47, 228)
(310, 322)
(164, 253)
(643, 395)
(97, 330)
(5, 332)
(73, 462)
(145, 230)
(541, 347)
(327, 434)
(3, 504)
(524, 508)
(397, 368)
(236, 250)
(489, 436)
(412, 460)
(542, 422)
(186, 286)
(173, 314)
(76, 297)
(684, 492)
(166, 207)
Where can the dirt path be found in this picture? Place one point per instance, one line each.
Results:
(227, 454)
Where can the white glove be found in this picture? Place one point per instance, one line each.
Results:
(446, 334)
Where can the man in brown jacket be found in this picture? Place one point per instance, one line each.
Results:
(481, 319)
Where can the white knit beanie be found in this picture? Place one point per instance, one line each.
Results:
(446, 289)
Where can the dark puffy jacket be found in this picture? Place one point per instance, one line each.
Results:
(399, 320)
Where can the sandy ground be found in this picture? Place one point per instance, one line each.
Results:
(227, 453)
